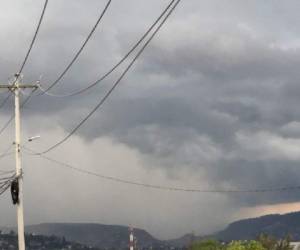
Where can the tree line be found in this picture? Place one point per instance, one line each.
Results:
(263, 242)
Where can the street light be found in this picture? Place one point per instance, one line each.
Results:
(33, 138)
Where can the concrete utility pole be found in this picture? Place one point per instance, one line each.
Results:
(15, 89)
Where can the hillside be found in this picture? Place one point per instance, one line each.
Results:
(109, 236)
(275, 224)
(35, 242)
(98, 235)
(183, 241)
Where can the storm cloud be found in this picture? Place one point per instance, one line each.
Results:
(212, 103)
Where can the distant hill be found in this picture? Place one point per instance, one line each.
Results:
(97, 235)
(34, 242)
(113, 236)
(275, 224)
(183, 241)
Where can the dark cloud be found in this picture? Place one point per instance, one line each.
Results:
(213, 100)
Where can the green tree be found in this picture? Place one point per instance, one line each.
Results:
(271, 243)
(206, 245)
(267, 241)
(284, 244)
(236, 245)
(245, 245)
(254, 245)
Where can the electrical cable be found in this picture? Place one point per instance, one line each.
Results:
(6, 185)
(81, 48)
(4, 189)
(3, 172)
(6, 152)
(6, 124)
(26, 58)
(13, 116)
(4, 179)
(109, 72)
(2, 104)
(33, 39)
(160, 187)
(114, 85)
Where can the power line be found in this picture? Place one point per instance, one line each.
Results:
(81, 48)
(13, 116)
(6, 124)
(126, 70)
(34, 38)
(4, 185)
(4, 172)
(80, 91)
(115, 84)
(23, 65)
(25, 60)
(5, 100)
(161, 187)
(5, 182)
(67, 68)
(7, 178)
(4, 188)
(6, 152)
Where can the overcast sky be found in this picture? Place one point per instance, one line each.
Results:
(212, 103)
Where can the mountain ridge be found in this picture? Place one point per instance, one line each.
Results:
(108, 236)
(278, 225)
(94, 234)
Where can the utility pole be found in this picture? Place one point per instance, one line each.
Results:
(15, 89)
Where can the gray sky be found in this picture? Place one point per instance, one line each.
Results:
(213, 103)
